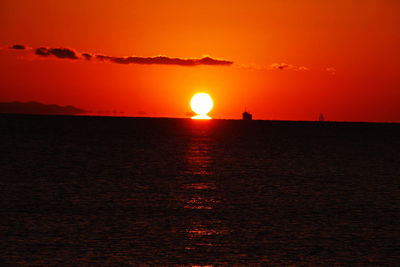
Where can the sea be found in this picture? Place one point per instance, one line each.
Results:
(114, 191)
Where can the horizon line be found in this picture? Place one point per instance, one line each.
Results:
(189, 118)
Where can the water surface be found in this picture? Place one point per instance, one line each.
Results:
(139, 191)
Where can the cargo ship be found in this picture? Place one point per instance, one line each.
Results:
(247, 116)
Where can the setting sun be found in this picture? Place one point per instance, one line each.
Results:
(201, 104)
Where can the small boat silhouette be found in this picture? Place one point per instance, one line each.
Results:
(321, 118)
(247, 116)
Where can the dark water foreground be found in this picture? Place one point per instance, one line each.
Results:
(121, 191)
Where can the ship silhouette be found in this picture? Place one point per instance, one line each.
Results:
(247, 116)
(321, 118)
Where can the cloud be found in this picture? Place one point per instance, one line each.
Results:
(57, 52)
(285, 66)
(272, 67)
(87, 56)
(280, 66)
(68, 53)
(301, 68)
(42, 52)
(331, 70)
(163, 60)
(18, 47)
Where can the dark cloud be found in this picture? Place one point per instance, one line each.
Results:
(41, 51)
(18, 47)
(103, 57)
(87, 56)
(67, 53)
(63, 53)
(57, 52)
(285, 66)
(280, 66)
(163, 60)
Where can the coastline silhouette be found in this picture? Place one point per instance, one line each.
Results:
(34, 107)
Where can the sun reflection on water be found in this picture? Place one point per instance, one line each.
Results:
(201, 117)
(198, 202)
(201, 198)
(200, 186)
(198, 157)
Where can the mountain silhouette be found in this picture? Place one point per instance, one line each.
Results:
(38, 108)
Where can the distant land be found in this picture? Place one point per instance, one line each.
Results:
(38, 108)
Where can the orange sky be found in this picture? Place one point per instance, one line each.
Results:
(342, 56)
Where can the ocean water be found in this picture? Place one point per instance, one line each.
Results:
(79, 191)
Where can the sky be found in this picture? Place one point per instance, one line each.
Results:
(281, 60)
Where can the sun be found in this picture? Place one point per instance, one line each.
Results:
(201, 104)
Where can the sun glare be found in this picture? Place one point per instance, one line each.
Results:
(201, 104)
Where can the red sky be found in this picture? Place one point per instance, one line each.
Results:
(340, 58)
